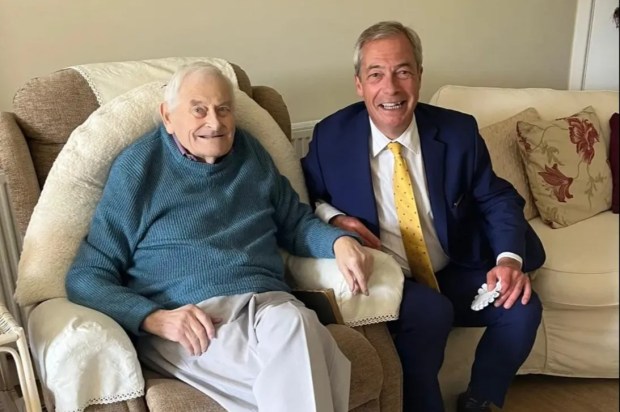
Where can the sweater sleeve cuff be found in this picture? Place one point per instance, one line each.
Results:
(136, 316)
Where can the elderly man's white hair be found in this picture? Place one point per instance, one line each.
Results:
(171, 92)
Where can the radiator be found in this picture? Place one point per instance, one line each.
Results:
(10, 246)
(301, 136)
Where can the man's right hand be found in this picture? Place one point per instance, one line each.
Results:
(187, 325)
(352, 224)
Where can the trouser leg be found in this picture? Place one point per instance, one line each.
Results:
(226, 371)
(507, 340)
(420, 336)
(270, 354)
(302, 368)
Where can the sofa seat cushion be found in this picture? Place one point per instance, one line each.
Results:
(163, 395)
(581, 269)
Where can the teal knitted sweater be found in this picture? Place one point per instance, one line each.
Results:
(169, 231)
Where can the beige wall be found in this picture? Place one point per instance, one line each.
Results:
(302, 48)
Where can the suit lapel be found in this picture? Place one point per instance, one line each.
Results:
(357, 143)
(433, 153)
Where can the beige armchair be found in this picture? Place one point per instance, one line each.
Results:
(45, 111)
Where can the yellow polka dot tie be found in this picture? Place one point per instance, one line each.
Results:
(409, 222)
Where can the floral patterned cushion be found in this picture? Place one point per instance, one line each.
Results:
(567, 168)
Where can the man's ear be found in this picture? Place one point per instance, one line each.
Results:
(358, 86)
(165, 117)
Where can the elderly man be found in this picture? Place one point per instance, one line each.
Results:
(183, 253)
(416, 181)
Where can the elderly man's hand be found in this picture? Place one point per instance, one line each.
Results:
(354, 262)
(187, 325)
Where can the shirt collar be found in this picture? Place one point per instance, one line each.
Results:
(409, 139)
(182, 150)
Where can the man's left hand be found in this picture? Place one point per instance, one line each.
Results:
(514, 283)
(354, 262)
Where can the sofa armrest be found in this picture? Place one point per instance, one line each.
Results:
(272, 101)
(16, 163)
(83, 357)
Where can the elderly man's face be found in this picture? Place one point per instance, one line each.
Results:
(203, 120)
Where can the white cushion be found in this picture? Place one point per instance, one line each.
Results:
(385, 287)
(581, 269)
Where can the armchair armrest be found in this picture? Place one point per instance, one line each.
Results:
(385, 287)
(16, 163)
(83, 356)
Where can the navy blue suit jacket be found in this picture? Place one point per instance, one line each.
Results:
(476, 214)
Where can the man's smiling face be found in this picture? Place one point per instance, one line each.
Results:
(389, 82)
(202, 119)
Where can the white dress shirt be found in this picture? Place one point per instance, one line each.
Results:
(382, 169)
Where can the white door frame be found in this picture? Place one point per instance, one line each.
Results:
(581, 40)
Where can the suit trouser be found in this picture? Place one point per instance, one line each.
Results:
(426, 318)
(270, 354)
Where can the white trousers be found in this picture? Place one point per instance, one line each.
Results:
(270, 354)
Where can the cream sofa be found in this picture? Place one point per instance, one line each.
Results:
(578, 284)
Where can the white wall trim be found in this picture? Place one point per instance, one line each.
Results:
(301, 134)
(302, 130)
(581, 39)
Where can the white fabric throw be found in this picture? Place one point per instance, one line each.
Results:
(83, 357)
(108, 80)
(385, 287)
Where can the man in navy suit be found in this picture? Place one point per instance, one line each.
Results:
(472, 221)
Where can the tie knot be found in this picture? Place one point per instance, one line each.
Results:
(394, 147)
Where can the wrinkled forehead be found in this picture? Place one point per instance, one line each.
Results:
(206, 87)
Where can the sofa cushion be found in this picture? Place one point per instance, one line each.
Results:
(614, 160)
(566, 164)
(581, 269)
(501, 140)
